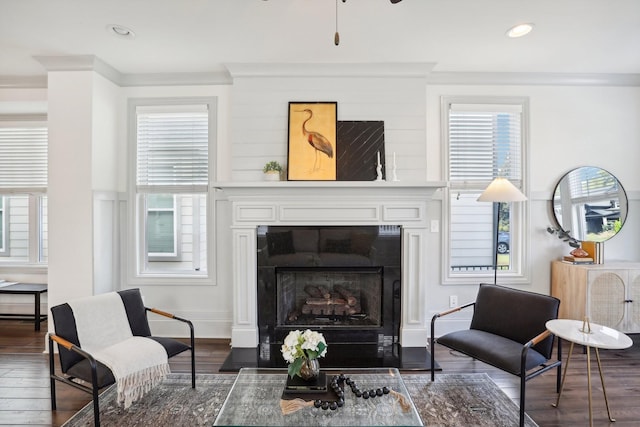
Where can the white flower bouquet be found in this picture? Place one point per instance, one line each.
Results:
(300, 347)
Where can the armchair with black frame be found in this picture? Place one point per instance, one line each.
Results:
(78, 364)
(507, 331)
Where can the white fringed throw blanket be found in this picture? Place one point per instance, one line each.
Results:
(137, 363)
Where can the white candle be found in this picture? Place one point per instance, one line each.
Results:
(379, 157)
(394, 159)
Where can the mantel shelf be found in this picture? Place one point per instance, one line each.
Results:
(332, 184)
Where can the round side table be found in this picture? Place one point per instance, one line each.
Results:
(589, 335)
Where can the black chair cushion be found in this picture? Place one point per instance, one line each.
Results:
(82, 370)
(493, 349)
(515, 314)
(171, 346)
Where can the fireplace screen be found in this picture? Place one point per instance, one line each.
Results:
(325, 296)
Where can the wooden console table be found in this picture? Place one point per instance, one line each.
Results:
(608, 294)
(35, 289)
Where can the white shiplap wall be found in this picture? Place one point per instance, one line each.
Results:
(259, 124)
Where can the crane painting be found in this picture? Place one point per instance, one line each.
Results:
(312, 141)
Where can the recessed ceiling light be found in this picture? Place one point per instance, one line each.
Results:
(120, 31)
(519, 30)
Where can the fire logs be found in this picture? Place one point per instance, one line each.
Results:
(346, 294)
(317, 291)
(322, 302)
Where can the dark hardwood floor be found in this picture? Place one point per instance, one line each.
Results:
(24, 382)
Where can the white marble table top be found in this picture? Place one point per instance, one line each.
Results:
(599, 336)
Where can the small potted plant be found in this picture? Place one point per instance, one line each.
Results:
(272, 171)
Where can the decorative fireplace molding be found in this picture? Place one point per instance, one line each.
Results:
(329, 203)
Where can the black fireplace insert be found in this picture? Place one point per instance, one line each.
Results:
(343, 281)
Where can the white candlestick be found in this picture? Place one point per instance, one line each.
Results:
(379, 169)
(395, 176)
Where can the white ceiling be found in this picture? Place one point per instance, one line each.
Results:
(200, 36)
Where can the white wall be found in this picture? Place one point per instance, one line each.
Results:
(570, 126)
(70, 188)
(260, 123)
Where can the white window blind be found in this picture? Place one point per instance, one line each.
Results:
(23, 157)
(172, 146)
(485, 141)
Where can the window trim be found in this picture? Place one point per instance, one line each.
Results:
(135, 240)
(4, 224)
(520, 273)
(35, 192)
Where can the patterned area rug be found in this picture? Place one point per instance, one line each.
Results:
(452, 400)
(462, 400)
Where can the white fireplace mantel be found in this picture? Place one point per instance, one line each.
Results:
(329, 203)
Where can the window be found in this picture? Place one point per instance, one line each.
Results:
(162, 235)
(23, 188)
(172, 168)
(485, 139)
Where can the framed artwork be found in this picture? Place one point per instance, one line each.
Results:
(312, 150)
(359, 144)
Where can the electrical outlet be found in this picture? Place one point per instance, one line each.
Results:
(435, 226)
(453, 301)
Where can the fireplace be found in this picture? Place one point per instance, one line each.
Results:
(388, 210)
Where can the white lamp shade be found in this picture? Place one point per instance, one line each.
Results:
(501, 190)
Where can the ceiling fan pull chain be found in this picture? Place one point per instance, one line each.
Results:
(336, 36)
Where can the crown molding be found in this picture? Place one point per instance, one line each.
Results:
(532, 79)
(313, 70)
(79, 63)
(412, 70)
(93, 63)
(176, 79)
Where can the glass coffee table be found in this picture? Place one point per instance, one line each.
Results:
(256, 395)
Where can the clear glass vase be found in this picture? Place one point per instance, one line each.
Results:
(310, 369)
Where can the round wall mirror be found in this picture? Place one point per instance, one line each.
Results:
(590, 204)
